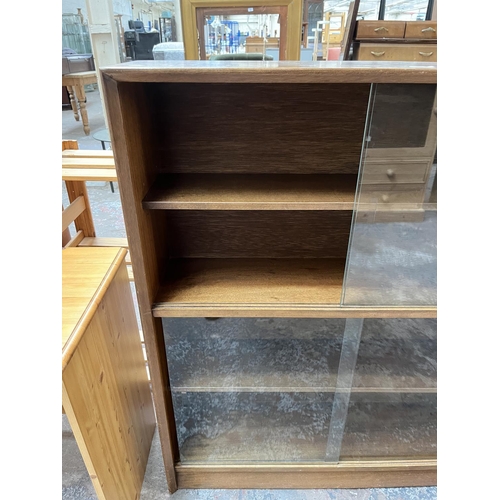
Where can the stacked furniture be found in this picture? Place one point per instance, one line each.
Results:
(399, 173)
(290, 334)
(396, 41)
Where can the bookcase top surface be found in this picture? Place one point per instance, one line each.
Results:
(273, 72)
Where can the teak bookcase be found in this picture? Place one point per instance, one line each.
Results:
(286, 289)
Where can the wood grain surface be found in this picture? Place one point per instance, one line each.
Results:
(84, 221)
(86, 274)
(125, 105)
(88, 153)
(421, 30)
(273, 72)
(106, 391)
(380, 29)
(250, 129)
(251, 281)
(257, 234)
(252, 192)
(263, 287)
(342, 475)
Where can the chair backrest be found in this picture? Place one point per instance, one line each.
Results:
(78, 211)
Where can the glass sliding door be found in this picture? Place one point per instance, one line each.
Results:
(392, 250)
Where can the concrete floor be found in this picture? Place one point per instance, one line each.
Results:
(76, 484)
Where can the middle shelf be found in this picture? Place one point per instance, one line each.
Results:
(252, 192)
(212, 284)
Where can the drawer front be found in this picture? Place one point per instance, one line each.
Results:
(426, 53)
(390, 195)
(395, 172)
(390, 52)
(380, 29)
(421, 30)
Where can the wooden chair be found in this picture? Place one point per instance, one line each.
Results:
(78, 167)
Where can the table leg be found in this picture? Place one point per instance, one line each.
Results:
(103, 145)
(72, 100)
(80, 95)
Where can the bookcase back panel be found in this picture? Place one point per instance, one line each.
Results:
(258, 234)
(259, 128)
(394, 103)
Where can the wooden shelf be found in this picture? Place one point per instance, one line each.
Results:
(252, 192)
(211, 287)
(309, 288)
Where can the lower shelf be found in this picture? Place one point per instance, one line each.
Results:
(294, 427)
(260, 287)
(205, 287)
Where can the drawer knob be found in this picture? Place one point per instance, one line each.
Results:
(385, 198)
(429, 30)
(378, 54)
(426, 54)
(382, 28)
(390, 173)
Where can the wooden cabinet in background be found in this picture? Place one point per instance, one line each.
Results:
(414, 41)
(395, 52)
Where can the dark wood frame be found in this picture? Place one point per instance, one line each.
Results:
(349, 32)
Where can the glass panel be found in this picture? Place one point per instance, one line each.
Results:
(253, 389)
(406, 10)
(302, 390)
(392, 250)
(390, 426)
(249, 426)
(392, 408)
(231, 34)
(368, 9)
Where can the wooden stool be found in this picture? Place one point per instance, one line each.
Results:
(75, 83)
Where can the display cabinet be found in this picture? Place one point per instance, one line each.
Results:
(288, 302)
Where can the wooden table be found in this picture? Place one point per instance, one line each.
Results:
(106, 393)
(75, 83)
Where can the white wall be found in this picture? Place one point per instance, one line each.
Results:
(123, 7)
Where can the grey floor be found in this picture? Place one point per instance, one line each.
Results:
(76, 484)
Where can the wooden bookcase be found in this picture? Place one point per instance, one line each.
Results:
(278, 359)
